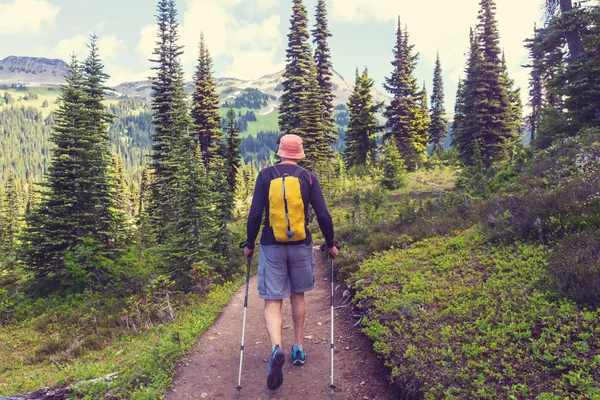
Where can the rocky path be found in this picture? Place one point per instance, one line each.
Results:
(210, 371)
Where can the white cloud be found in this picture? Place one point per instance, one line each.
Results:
(108, 46)
(74, 45)
(247, 49)
(443, 26)
(26, 17)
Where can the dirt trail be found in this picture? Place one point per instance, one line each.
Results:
(211, 370)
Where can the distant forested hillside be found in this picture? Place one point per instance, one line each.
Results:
(25, 130)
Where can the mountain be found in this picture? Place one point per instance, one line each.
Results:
(32, 71)
(36, 71)
(229, 87)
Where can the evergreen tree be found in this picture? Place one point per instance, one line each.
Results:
(536, 95)
(205, 108)
(404, 119)
(468, 104)
(189, 245)
(324, 70)
(234, 159)
(170, 120)
(496, 126)
(10, 221)
(145, 237)
(297, 71)
(516, 106)
(72, 228)
(108, 216)
(422, 121)
(459, 108)
(361, 141)
(318, 152)
(121, 193)
(490, 113)
(438, 128)
(395, 174)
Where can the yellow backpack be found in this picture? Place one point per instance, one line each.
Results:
(286, 207)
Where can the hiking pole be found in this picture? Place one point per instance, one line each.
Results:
(332, 386)
(324, 248)
(239, 386)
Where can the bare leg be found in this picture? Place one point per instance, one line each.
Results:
(298, 315)
(273, 320)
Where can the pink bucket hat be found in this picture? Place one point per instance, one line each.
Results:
(290, 146)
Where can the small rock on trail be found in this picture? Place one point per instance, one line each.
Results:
(210, 371)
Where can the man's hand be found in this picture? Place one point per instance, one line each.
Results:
(248, 252)
(333, 252)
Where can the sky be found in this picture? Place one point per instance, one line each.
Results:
(247, 38)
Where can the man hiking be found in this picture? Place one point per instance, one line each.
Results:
(287, 258)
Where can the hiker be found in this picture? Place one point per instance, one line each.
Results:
(287, 257)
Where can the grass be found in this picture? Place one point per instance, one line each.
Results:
(44, 352)
(457, 318)
(269, 122)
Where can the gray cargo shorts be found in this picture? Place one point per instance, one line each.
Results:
(283, 269)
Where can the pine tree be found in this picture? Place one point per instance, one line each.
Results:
(170, 120)
(324, 70)
(404, 119)
(205, 108)
(297, 71)
(516, 106)
(121, 188)
(318, 152)
(10, 224)
(234, 159)
(459, 108)
(395, 174)
(190, 243)
(108, 217)
(145, 237)
(361, 141)
(438, 128)
(66, 223)
(468, 104)
(495, 117)
(422, 121)
(490, 108)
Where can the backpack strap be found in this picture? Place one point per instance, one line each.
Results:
(275, 172)
(299, 170)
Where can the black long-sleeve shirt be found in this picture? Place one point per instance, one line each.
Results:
(312, 194)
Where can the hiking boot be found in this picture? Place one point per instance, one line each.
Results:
(298, 355)
(275, 376)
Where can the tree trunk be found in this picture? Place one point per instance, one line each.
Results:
(573, 38)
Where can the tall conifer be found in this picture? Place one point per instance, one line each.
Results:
(78, 220)
(536, 94)
(404, 119)
(234, 159)
(297, 71)
(318, 152)
(205, 108)
(324, 69)
(170, 119)
(496, 130)
(361, 141)
(10, 220)
(469, 102)
(190, 241)
(438, 128)
(108, 219)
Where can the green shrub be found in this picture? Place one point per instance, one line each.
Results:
(455, 318)
(574, 268)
